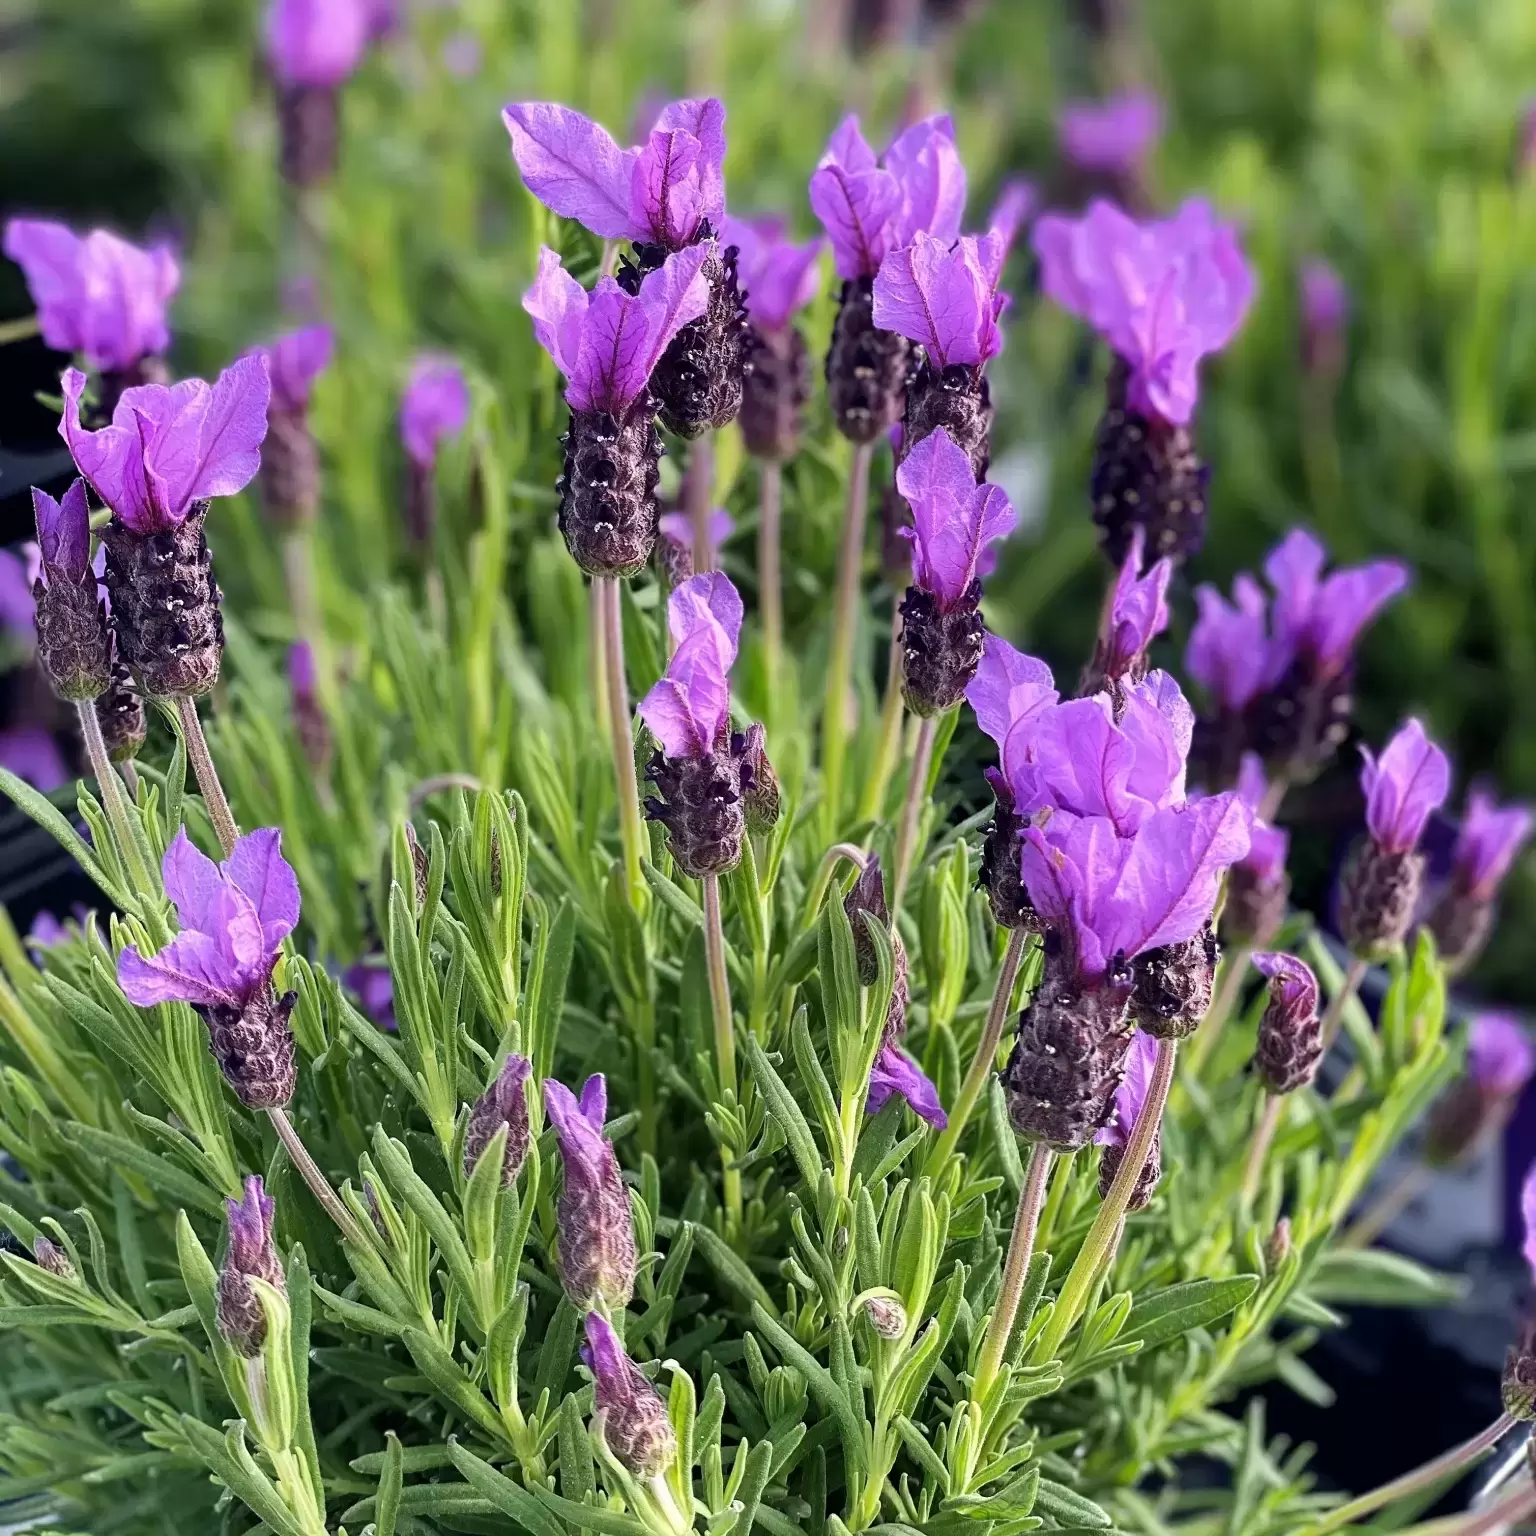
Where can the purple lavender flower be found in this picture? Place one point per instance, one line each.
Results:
(1138, 613)
(74, 645)
(250, 1255)
(662, 193)
(896, 1073)
(1010, 213)
(597, 1235)
(462, 55)
(1257, 885)
(317, 42)
(1115, 135)
(943, 295)
(1403, 788)
(374, 987)
(1228, 648)
(1461, 914)
(46, 932)
(1500, 1056)
(171, 447)
(309, 718)
(631, 1417)
(435, 406)
(674, 543)
(504, 1103)
(1125, 1111)
(1290, 1043)
(1324, 316)
(294, 361)
(778, 276)
(31, 753)
(17, 609)
(234, 917)
(97, 296)
(1500, 1060)
(1163, 294)
(871, 207)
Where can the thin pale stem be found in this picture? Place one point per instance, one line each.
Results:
(621, 741)
(319, 1186)
(597, 660)
(770, 595)
(725, 1027)
(1234, 967)
(845, 618)
(130, 777)
(424, 789)
(1383, 1212)
(1334, 1018)
(304, 599)
(1274, 798)
(824, 873)
(912, 809)
(19, 330)
(982, 1062)
(1021, 1248)
(892, 714)
(1454, 1461)
(1101, 1235)
(698, 488)
(201, 758)
(1258, 1146)
(140, 876)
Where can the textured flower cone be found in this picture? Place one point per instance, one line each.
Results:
(597, 1241)
(1146, 1183)
(608, 490)
(1145, 472)
(1377, 897)
(1060, 1080)
(120, 714)
(1303, 720)
(698, 382)
(254, 1048)
(242, 1321)
(866, 367)
(74, 645)
(1289, 1048)
(959, 400)
(1518, 1387)
(867, 895)
(1254, 908)
(1174, 986)
(165, 606)
(901, 995)
(674, 561)
(939, 651)
(1461, 923)
(309, 122)
(701, 808)
(48, 1255)
(290, 469)
(775, 392)
(999, 876)
(761, 800)
(504, 1103)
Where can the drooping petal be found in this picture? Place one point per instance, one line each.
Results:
(112, 459)
(257, 867)
(1404, 787)
(557, 304)
(895, 1072)
(192, 968)
(574, 167)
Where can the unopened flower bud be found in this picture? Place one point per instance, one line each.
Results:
(1277, 1246)
(74, 646)
(866, 367)
(1378, 894)
(597, 1234)
(120, 714)
(1518, 1387)
(250, 1255)
(504, 1103)
(631, 1417)
(760, 798)
(886, 1316)
(867, 896)
(1290, 1043)
(50, 1256)
(1174, 985)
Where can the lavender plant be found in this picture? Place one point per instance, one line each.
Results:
(311, 1234)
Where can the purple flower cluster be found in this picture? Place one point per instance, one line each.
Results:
(1461, 910)
(597, 1235)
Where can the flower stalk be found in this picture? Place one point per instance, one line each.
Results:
(134, 851)
(319, 1185)
(845, 618)
(621, 739)
(1259, 1144)
(224, 825)
(770, 592)
(912, 806)
(1021, 1248)
(724, 1024)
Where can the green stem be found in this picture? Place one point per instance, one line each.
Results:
(621, 741)
(1101, 1234)
(834, 711)
(140, 875)
(1021, 1248)
(319, 1186)
(1384, 1211)
(19, 329)
(1334, 1018)
(1455, 1460)
(824, 872)
(201, 758)
(892, 713)
(1234, 967)
(1258, 1147)
(770, 594)
(912, 809)
(725, 1028)
(983, 1062)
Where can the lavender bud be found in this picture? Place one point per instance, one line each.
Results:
(120, 714)
(504, 1103)
(1461, 923)
(165, 606)
(775, 391)
(956, 399)
(309, 721)
(250, 1255)
(1290, 1043)
(867, 895)
(254, 1047)
(866, 367)
(308, 118)
(940, 649)
(631, 1416)
(1146, 1182)
(886, 1316)
(701, 808)
(1378, 894)
(74, 645)
(1277, 1246)
(50, 1256)
(760, 799)
(674, 558)
(1254, 908)
(421, 504)
(597, 1235)
(1174, 985)
(1518, 1387)
(1303, 719)
(1145, 472)
(608, 489)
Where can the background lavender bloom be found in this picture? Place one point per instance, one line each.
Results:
(1163, 294)
(1228, 650)
(250, 1254)
(597, 1237)
(674, 546)
(662, 192)
(370, 979)
(45, 932)
(1487, 844)
(608, 343)
(435, 405)
(233, 918)
(954, 517)
(944, 296)
(317, 42)
(294, 361)
(31, 753)
(1403, 787)
(1500, 1056)
(16, 605)
(1324, 316)
(462, 55)
(777, 275)
(630, 1413)
(895, 1072)
(1014, 205)
(97, 296)
(872, 207)
(1114, 135)
(1269, 845)
(171, 446)
(1138, 613)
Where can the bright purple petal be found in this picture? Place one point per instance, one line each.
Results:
(928, 170)
(941, 298)
(64, 532)
(1500, 1056)
(1404, 787)
(1009, 693)
(707, 601)
(258, 868)
(1528, 1216)
(557, 304)
(192, 968)
(855, 208)
(895, 1072)
(1491, 836)
(1113, 135)
(229, 447)
(1140, 1055)
(111, 459)
(574, 167)
(192, 881)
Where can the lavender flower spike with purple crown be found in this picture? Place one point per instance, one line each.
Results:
(290, 460)
(597, 1235)
(1487, 845)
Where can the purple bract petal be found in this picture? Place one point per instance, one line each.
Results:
(1138, 609)
(63, 534)
(1009, 693)
(1500, 1056)
(1132, 1092)
(1228, 650)
(944, 297)
(1404, 787)
(435, 405)
(1491, 836)
(1528, 1187)
(1113, 135)
(317, 42)
(1012, 209)
(895, 1072)
(777, 275)
(294, 361)
(689, 708)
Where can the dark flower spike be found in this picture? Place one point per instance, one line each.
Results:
(434, 407)
(1489, 840)
(1379, 891)
(1290, 1043)
(74, 645)
(1174, 984)
(250, 1255)
(955, 519)
(234, 917)
(312, 47)
(1500, 1061)
(504, 1103)
(309, 719)
(607, 344)
(1124, 1113)
(631, 1416)
(1324, 317)
(120, 714)
(1163, 295)
(290, 461)
(597, 1235)
(760, 796)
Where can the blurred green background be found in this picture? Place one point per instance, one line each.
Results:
(1385, 137)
